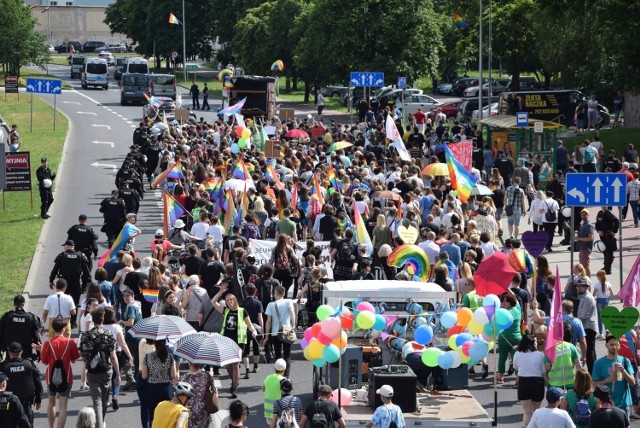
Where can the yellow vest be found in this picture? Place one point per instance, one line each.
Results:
(561, 373)
(272, 393)
(242, 326)
(167, 414)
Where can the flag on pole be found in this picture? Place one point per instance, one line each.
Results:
(173, 20)
(243, 207)
(630, 291)
(46, 9)
(125, 234)
(236, 108)
(272, 175)
(32, 6)
(174, 171)
(240, 171)
(230, 212)
(294, 198)
(555, 332)
(317, 190)
(396, 139)
(172, 211)
(362, 236)
(461, 179)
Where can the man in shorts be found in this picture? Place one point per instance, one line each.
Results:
(514, 206)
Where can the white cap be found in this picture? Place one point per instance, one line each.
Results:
(385, 391)
(280, 365)
(159, 232)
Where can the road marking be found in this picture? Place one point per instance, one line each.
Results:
(88, 112)
(103, 142)
(97, 125)
(105, 165)
(72, 102)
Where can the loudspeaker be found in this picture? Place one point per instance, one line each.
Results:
(457, 378)
(351, 372)
(404, 389)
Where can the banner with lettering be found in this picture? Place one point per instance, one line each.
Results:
(262, 251)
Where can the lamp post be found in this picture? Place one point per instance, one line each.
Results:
(480, 69)
(184, 44)
(490, 65)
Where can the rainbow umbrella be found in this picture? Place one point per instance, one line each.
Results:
(436, 169)
(339, 146)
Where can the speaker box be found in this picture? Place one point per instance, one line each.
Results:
(404, 389)
(447, 380)
(351, 372)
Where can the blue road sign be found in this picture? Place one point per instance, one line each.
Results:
(367, 78)
(44, 86)
(522, 118)
(402, 83)
(596, 189)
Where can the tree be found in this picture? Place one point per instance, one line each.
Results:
(21, 44)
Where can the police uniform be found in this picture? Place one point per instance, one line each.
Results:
(46, 194)
(131, 198)
(114, 211)
(24, 381)
(85, 239)
(19, 326)
(607, 225)
(71, 265)
(12, 413)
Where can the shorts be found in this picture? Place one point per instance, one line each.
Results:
(247, 348)
(531, 388)
(585, 258)
(64, 394)
(514, 220)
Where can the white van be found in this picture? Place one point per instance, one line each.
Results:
(94, 73)
(136, 65)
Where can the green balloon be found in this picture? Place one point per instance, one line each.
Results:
(324, 311)
(242, 143)
(430, 357)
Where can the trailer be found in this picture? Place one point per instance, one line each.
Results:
(260, 92)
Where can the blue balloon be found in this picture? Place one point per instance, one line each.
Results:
(319, 362)
(448, 319)
(479, 350)
(504, 318)
(463, 337)
(235, 149)
(380, 323)
(445, 360)
(423, 334)
(331, 353)
(489, 331)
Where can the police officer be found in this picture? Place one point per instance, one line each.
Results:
(115, 214)
(85, 239)
(72, 266)
(12, 413)
(130, 197)
(132, 179)
(45, 183)
(19, 326)
(23, 379)
(607, 225)
(152, 151)
(140, 134)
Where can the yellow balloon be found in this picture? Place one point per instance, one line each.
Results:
(246, 133)
(491, 345)
(315, 349)
(465, 359)
(474, 327)
(341, 342)
(452, 342)
(305, 352)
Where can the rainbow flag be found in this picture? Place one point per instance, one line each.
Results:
(150, 295)
(243, 208)
(461, 179)
(173, 20)
(172, 211)
(231, 110)
(317, 190)
(46, 9)
(240, 171)
(272, 175)
(32, 6)
(230, 212)
(125, 234)
(294, 198)
(333, 179)
(362, 236)
(174, 171)
(460, 23)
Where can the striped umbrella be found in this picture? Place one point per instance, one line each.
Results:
(161, 327)
(208, 348)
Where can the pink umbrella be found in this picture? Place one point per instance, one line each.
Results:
(296, 133)
(494, 274)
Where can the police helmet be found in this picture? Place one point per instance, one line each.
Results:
(47, 183)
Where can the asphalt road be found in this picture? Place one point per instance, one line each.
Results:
(99, 136)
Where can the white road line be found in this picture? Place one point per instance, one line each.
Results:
(71, 102)
(97, 125)
(104, 142)
(87, 112)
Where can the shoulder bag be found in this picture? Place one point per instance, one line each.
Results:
(286, 334)
(210, 399)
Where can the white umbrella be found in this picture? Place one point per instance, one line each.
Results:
(238, 185)
(481, 189)
(208, 348)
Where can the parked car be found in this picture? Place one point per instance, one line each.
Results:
(333, 91)
(64, 47)
(527, 83)
(111, 60)
(356, 95)
(133, 87)
(451, 108)
(117, 48)
(460, 85)
(485, 112)
(468, 105)
(167, 108)
(92, 45)
(497, 86)
(444, 88)
(121, 63)
(413, 102)
(51, 49)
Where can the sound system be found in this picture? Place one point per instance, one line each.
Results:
(351, 372)
(404, 384)
(447, 380)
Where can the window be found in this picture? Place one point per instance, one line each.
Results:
(69, 3)
(138, 68)
(53, 3)
(163, 80)
(94, 68)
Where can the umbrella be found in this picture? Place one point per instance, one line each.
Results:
(481, 190)
(436, 169)
(238, 185)
(387, 194)
(209, 349)
(161, 327)
(339, 146)
(494, 274)
(296, 133)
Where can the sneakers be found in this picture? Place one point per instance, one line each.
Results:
(472, 370)
(84, 387)
(485, 371)
(246, 374)
(115, 404)
(510, 371)
(233, 394)
(45, 216)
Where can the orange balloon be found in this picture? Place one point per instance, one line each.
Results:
(341, 342)
(456, 329)
(464, 316)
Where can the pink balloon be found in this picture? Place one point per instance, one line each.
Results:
(308, 334)
(465, 347)
(365, 306)
(330, 327)
(324, 339)
(345, 396)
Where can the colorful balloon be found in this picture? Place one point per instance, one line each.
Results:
(315, 329)
(479, 350)
(319, 362)
(238, 129)
(466, 346)
(464, 316)
(224, 74)
(456, 329)
(315, 349)
(452, 341)
(480, 317)
(246, 133)
(448, 319)
(462, 338)
(308, 334)
(474, 328)
(242, 143)
(445, 360)
(365, 306)
(278, 65)
(423, 334)
(430, 357)
(342, 341)
(331, 353)
(347, 320)
(344, 396)
(303, 343)
(235, 149)
(330, 327)
(324, 311)
(380, 323)
(365, 320)
(504, 319)
(324, 339)
(457, 359)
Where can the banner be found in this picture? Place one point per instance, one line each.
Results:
(262, 250)
(463, 153)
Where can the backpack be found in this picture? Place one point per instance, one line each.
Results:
(567, 328)
(589, 154)
(392, 423)
(582, 412)
(550, 216)
(271, 230)
(319, 419)
(282, 261)
(250, 231)
(345, 251)
(253, 278)
(58, 379)
(287, 418)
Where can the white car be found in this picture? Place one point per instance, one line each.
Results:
(485, 112)
(111, 60)
(414, 102)
(52, 49)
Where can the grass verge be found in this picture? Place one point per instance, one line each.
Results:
(20, 225)
(614, 138)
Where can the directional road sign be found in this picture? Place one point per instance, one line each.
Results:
(44, 86)
(367, 78)
(596, 189)
(402, 83)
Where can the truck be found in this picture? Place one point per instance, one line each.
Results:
(260, 92)
(451, 408)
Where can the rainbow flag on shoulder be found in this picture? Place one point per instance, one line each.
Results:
(241, 171)
(174, 171)
(125, 234)
(362, 236)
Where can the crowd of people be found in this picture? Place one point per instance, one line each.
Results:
(204, 270)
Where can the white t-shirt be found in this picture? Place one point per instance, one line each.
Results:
(607, 288)
(86, 317)
(546, 418)
(63, 309)
(115, 329)
(200, 229)
(216, 231)
(529, 364)
(284, 309)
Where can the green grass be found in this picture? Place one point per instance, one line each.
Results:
(615, 138)
(20, 225)
(27, 72)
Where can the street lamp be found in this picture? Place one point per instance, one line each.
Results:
(480, 69)
(184, 44)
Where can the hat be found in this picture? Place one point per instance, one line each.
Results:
(43, 160)
(179, 224)
(385, 391)
(325, 391)
(602, 393)
(582, 282)
(286, 385)
(127, 292)
(130, 215)
(18, 300)
(554, 395)
(159, 232)
(625, 164)
(69, 242)
(280, 365)
(3, 377)
(251, 259)
(14, 347)
(584, 210)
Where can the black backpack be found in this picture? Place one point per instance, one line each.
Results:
(346, 252)
(271, 230)
(550, 216)
(319, 419)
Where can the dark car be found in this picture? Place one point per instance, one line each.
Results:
(526, 84)
(121, 63)
(64, 47)
(460, 85)
(92, 45)
(468, 105)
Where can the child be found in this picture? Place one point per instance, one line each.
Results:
(271, 388)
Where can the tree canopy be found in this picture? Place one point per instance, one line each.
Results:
(21, 45)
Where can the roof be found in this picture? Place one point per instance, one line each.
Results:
(509, 122)
(377, 289)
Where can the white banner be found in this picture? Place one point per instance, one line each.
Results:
(262, 251)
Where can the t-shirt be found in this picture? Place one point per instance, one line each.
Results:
(546, 418)
(329, 408)
(56, 346)
(253, 307)
(576, 326)
(386, 413)
(284, 310)
(610, 418)
(62, 309)
(231, 324)
(286, 227)
(572, 399)
(621, 393)
(529, 364)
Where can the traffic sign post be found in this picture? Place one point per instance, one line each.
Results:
(402, 83)
(374, 79)
(596, 190)
(44, 86)
(522, 118)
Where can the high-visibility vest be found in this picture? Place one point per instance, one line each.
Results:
(272, 393)
(561, 373)
(242, 326)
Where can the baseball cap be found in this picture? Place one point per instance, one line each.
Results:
(385, 391)
(286, 385)
(602, 393)
(584, 211)
(127, 292)
(159, 232)
(131, 215)
(280, 365)
(82, 217)
(582, 282)
(554, 395)
(14, 347)
(18, 300)
(115, 192)
(69, 242)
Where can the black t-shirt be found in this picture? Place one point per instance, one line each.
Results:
(328, 224)
(192, 265)
(253, 307)
(210, 273)
(231, 325)
(329, 408)
(610, 418)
